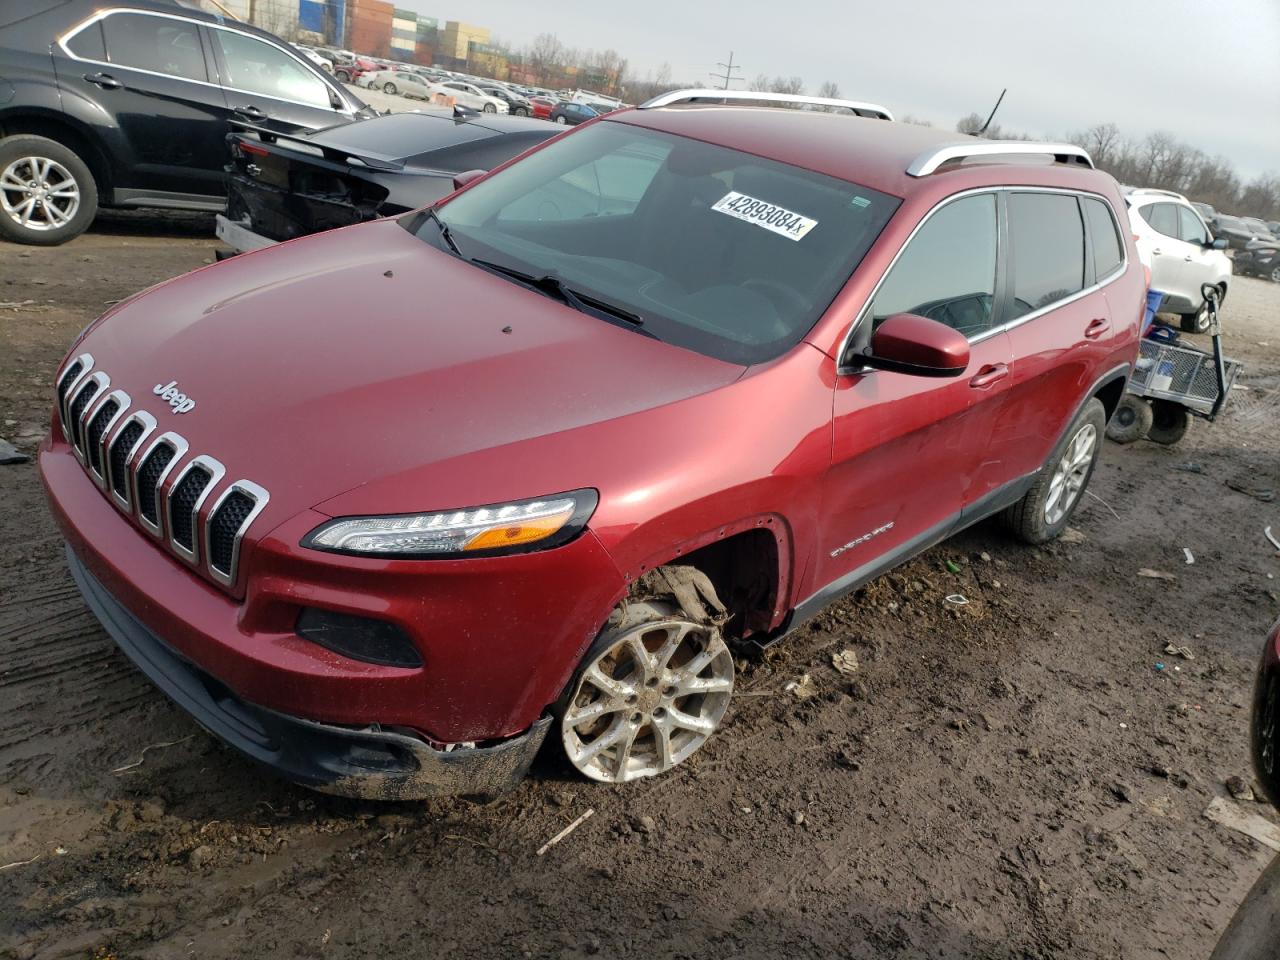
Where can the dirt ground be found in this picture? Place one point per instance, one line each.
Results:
(1011, 778)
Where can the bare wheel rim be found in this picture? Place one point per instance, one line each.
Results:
(39, 193)
(649, 701)
(1070, 474)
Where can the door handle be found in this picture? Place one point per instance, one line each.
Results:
(1096, 328)
(1158, 252)
(989, 374)
(1188, 259)
(252, 112)
(104, 80)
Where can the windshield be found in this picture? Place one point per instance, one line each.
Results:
(719, 251)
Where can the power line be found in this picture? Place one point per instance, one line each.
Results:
(729, 68)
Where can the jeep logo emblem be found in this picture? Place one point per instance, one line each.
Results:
(179, 401)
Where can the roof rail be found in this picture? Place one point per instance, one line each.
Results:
(1159, 192)
(931, 160)
(763, 96)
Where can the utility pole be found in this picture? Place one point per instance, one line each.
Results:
(727, 76)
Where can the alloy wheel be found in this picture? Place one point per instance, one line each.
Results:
(1070, 474)
(648, 701)
(39, 193)
(1275, 274)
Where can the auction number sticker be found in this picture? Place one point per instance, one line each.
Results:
(784, 222)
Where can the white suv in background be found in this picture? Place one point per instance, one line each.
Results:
(470, 96)
(1177, 246)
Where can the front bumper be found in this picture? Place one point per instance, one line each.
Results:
(364, 762)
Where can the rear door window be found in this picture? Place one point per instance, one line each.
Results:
(947, 271)
(1107, 252)
(255, 66)
(1046, 241)
(1190, 228)
(158, 44)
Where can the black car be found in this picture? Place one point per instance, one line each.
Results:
(517, 105)
(1260, 259)
(568, 112)
(129, 105)
(1237, 234)
(280, 187)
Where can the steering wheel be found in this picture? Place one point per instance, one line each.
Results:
(786, 299)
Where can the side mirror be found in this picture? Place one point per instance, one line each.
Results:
(462, 179)
(908, 343)
(1219, 244)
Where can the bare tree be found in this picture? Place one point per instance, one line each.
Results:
(546, 56)
(786, 85)
(760, 82)
(829, 89)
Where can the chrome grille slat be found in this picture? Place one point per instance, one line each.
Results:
(224, 530)
(82, 403)
(194, 483)
(120, 453)
(150, 478)
(152, 471)
(76, 370)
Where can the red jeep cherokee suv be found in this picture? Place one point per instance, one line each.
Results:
(664, 385)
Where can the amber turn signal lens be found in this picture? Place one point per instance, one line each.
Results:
(527, 531)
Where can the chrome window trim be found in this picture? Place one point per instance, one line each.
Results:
(78, 428)
(148, 425)
(64, 404)
(180, 447)
(100, 476)
(217, 471)
(101, 15)
(929, 161)
(260, 498)
(1098, 284)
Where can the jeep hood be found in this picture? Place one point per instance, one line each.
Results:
(332, 362)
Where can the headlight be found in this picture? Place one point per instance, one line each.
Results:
(516, 527)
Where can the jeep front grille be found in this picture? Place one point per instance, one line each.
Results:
(151, 478)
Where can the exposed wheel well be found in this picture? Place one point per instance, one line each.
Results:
(1110, 394)
(743, 568)
(68, 136)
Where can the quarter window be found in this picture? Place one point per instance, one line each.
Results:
(258, 67)
(1046, 239)
(88, 43)
(1190, 228)
(1107, 253)
(947, 272)
(158, 44)
(1163, 218)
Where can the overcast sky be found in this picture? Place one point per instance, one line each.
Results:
(1208, 72)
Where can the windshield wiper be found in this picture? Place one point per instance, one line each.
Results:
(444, 230)
(582, 302)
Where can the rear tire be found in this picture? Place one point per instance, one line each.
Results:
(342, 76)
(1045, 510)
(47, 193)
(1131, 421)
(1169, 422)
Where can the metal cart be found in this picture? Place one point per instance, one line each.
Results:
(1172, 383)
